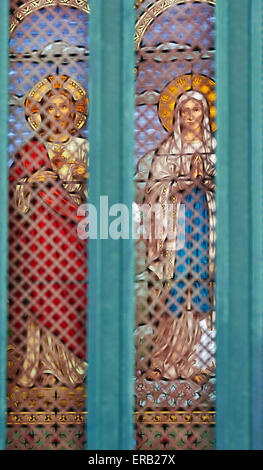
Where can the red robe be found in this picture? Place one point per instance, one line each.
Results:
(47, 259)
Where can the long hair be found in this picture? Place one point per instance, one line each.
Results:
(174, 144)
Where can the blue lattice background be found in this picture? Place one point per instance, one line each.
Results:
(34, 33)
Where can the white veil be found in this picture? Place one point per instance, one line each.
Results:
(175, 145)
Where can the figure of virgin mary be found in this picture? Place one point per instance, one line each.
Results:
(181, 176)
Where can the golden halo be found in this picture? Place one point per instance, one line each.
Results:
(176, 88)
(56, 82)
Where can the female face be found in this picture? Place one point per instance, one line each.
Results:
(191, 115)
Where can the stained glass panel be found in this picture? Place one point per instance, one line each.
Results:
(48, 160)
(175, 213)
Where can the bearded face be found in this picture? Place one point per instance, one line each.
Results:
(59, 116)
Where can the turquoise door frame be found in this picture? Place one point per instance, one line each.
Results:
(111, 262)
(4, 33)
(239, 263)
(239, 225)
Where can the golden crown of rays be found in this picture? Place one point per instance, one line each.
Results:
(56, 82)
(176, 88)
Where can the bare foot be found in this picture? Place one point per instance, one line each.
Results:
(153, 374)
(47, 380)
(200, 379)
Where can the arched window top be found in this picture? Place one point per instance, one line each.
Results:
(20, 10)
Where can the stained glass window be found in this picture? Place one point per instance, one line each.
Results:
(176, 142)
(48, 171)
(175, 212)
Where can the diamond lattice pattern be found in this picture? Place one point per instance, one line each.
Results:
(48, 160)
(175, 217)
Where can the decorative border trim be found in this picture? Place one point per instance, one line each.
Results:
(146, 417)
(175, 417)
(33, 5)
(45, 418)
(155, 10)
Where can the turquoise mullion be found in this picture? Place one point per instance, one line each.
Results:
(239, 225)
(111, 262)
(4, 33)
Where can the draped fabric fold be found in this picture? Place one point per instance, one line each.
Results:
(54, 259)
(181, 179)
